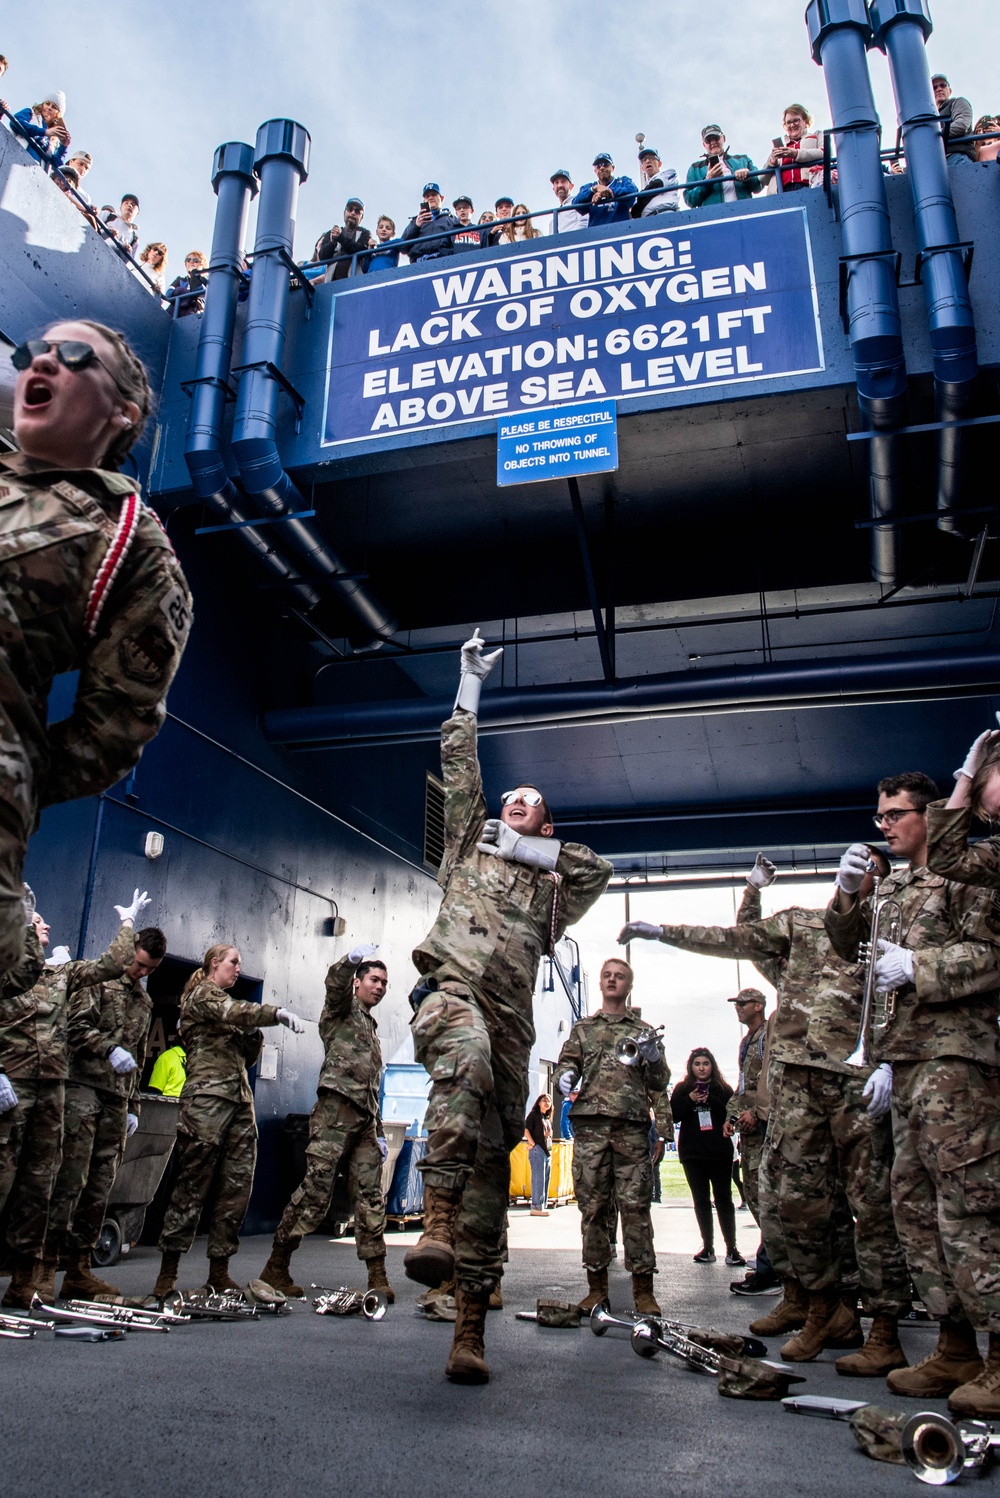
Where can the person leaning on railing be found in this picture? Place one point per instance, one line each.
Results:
(189, 288)
(987, 150)
(42, 128)
(423, 237)
(956, 117)
(386, 256)
(800, 156)
(718, 162)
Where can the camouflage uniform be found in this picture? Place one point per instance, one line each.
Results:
(819, 1136)
(943, 1043)
(88, 582)
(610, 1118)
(474, 1035)
(744, 1100)
(345, 1121)
(216, 1130)
(34, 1053)
(98, 1101)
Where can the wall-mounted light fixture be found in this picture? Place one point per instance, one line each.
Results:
(153, 845)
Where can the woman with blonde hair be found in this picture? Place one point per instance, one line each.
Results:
(217, 1130)
(154, 259)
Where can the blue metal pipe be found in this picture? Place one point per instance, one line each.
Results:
(840, 33)
(234, 183)
(281, 161)
(901, 30)
(823, 683)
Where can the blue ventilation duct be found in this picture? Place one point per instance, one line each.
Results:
(281, 162)
(234, 183)
(840, 34)
(901, 30)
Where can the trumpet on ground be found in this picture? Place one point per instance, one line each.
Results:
(343, 1301)
(939, 1450)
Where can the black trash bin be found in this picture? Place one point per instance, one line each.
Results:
(293, 1136)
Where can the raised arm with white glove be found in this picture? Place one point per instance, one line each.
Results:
(8, 1097)
(287, 1017)
(122, 1061)
(763, 873)
(503, 842)
(893, 966)
(128, 914)
(567, 1082)
(639, 931)
(363, 950)
(475, 668)
(853, 868)
(978, 750)
(879, 1089)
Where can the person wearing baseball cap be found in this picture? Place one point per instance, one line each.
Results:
(567, 218)
(346, 240)
(659, 190)
(423, 237)
(609, 200)
(471, 237)
(719, 162)
(42, 129)
(741, 1110)
(956, 113)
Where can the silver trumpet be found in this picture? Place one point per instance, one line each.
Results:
(101, 1313)
(627, 1050)
(648, 1339)
(343, 1301)
(18, 1328)
(223, 1305)
(939, 1450)
(734, 1343)
(876, 1009)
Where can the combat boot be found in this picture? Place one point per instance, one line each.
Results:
(467, 1364)
(45, 1276)
(80, 1282)
(788, 1315)
(431, 1260)
(880, 1354)
(20, 1291)
(377, 1279)
(277, 1271)
(954, 1361)
(597, 1279)
(219, 1278)
(496, 1299)
(166, 1280)
(642, 1295)
(981, 1396)
(828, 1322)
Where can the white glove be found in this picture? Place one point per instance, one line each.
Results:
(131, 1124)
(853, 868)
(978, 750)
(503, 842)
(893, 967)
(60, 955)
(879, 1089)
(29, 904)
(639, 931)
(8, 1097)
(566, 1082)
(650, 1051)
(383, 1148)
(363, 949)
(475, 669)
(763, 873)
(138, 905)
(286, 1017)
(122, 1061)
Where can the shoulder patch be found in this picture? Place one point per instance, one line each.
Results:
(146, 657)
(177, 610)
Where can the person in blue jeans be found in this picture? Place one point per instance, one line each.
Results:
(538, 1128)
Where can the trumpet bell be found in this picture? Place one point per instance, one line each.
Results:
(601, 1321)
(933, 1447)
(627, 1052)
(645, 1341)
(374, 1305)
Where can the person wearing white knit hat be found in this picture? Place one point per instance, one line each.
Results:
(42, 129)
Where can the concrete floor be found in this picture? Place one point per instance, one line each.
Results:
(312, 1404)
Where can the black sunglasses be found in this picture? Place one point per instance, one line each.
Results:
(71, 354)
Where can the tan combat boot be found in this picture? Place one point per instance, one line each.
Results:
(788, 1315)
(80, 1282)
(21, 1290)
(219, 1278)
(980, 1397)
(880, 1354)
(166, 1280)
(954, 1361)
(431, 1260)
(467, 1364)
(597, 1279)
(277, 1271)
(496, 1299)
(377, 1279)
(45, 1277)
(828, 1322)
(642, 1295)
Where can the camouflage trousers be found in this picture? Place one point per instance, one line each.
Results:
(751, 1147)
(823, 1146)
(93, 1148)
(340, 1134)
(611, 1161)
(17, 819)
(30, 1151)
(475, 1117)
(216, 1153)
(946, 1184)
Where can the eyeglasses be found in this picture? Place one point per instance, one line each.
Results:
(530, 798)
(71, 355)
(890, 818)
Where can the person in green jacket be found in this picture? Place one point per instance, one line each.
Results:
(717, 162)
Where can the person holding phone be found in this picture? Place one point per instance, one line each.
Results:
(427, 235)
(742, 179)
(698, 1104)
(799, 152)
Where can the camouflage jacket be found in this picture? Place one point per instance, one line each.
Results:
(950, 853)
(953, 931)
(752, 1049)
(352, 1065)
(25, 973)
(102, 1016)
(771, 969)
(34, 1025)
(88, 582)
(496, 918)
(819, 995)
(222, 1038)
(607, 1088)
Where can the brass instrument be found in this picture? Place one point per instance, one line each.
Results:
(887, 924)
(103, 1313)
(343, 1301)
(18, 1328)
(627, 1050)
(939, 1450)
(225, 1305)
(602, 1321)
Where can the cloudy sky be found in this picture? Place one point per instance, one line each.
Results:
(485, 96)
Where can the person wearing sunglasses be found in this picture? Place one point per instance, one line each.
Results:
(510, 891)
(941, 1045)
(89, 583)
